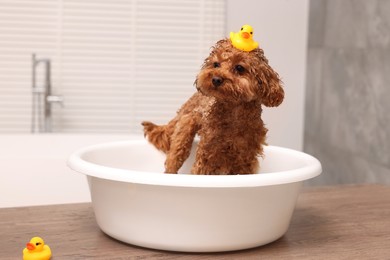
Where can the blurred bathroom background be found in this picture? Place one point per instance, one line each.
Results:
(347, 114)
(116, 63)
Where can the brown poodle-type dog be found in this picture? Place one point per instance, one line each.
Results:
(225, 112)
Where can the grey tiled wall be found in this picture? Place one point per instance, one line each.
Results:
(347, 121)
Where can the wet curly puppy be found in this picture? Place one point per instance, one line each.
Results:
(225, 112)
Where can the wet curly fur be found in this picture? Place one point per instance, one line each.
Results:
(225, 112)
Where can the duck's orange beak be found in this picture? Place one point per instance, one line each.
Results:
(245, 35)
(30, 246)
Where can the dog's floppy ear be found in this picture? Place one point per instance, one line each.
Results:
(272, 93)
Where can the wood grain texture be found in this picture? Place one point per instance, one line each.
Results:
(342, 222)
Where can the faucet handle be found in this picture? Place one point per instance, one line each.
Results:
(56, 99)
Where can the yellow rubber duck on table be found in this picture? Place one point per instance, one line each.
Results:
(36, 250)
(243, 40)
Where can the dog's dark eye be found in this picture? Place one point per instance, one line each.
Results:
(216, 65)
(239, 69)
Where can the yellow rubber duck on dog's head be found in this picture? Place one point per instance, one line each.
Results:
(36, 250)
(243, 40)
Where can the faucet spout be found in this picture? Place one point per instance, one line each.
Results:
(55, 100)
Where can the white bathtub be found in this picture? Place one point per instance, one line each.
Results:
(33, 168)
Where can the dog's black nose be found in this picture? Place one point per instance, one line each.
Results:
(217, 81)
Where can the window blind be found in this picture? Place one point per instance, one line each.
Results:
(25, 27)
(116, 63)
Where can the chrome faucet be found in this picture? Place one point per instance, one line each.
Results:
(41, 119)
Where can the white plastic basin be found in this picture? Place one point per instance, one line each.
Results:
(136, 203)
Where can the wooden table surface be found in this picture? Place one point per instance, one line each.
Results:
(341, 222)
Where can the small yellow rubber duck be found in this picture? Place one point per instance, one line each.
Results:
(243, 40)
(36, 250)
